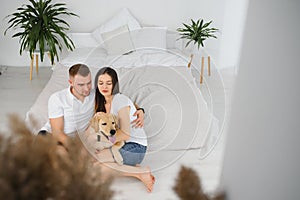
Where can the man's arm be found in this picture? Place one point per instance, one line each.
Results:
(57, 127)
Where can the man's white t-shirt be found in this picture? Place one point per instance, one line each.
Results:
(76, 114)
(119, 101)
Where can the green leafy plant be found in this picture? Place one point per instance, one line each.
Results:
(197, 32)
(41, 27)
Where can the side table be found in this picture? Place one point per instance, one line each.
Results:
(202, 65)
(35, 56)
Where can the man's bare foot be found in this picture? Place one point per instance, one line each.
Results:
(148, 179)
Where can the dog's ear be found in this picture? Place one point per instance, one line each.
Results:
(116, 121)
(94, 123)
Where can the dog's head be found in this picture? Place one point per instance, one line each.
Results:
(105, 123)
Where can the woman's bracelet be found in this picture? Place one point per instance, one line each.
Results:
(141, 109)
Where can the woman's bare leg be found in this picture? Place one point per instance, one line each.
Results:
(141, 173)
(105, 161)
(144, 175)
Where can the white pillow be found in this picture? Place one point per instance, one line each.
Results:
(82, 40)
(173, 41)
(149, 37)
(122, 18)
(118, 41)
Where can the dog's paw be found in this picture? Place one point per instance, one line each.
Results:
(102, 145)
(118, 159)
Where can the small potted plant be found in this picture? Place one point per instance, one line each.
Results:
(41, 28)
(197, 32)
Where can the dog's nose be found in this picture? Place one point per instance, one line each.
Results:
(112, 132)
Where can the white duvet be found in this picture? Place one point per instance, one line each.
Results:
(97, 57)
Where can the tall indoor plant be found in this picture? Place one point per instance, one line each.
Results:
(41, 27)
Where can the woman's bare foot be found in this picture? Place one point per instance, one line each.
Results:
(148, 179)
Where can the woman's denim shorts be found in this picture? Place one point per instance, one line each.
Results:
(133, 153)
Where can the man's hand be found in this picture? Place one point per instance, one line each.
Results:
(57, 126)
(139, 121)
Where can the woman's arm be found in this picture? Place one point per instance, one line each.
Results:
(139, 121)
(123, 133)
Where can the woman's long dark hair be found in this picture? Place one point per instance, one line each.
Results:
(99, 98)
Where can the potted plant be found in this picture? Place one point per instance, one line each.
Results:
(42, 27)
(197, 32)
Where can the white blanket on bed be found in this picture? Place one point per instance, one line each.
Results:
(177, 117)
(97, 57)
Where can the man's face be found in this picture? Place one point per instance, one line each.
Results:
(81, 85)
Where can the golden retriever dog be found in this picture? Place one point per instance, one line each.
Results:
(101, 135)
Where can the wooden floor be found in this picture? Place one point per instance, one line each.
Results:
(18, 93)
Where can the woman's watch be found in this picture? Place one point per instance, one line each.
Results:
(141, 109)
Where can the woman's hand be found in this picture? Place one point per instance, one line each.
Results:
(98, 113)
(139, 121)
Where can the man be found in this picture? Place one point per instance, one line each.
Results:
(70, 109)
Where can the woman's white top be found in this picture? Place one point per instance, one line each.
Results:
(120, 101)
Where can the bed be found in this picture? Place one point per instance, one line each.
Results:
(153, 72)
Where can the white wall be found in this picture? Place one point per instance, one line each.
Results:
(170, 13)
(9, 47)
(262, 151)
(232, 32)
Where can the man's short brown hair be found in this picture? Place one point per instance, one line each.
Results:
(80, 69)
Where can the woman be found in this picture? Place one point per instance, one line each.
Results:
(108, 99)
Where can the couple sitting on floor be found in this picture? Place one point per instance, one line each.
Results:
(70, 110)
